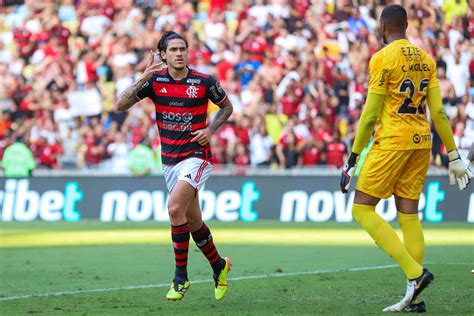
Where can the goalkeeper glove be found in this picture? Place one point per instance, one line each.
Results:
(458, 171)
(348, 171)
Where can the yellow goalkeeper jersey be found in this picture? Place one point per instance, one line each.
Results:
(403, 73)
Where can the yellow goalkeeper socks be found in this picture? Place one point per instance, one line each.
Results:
(412, 235)
(386, 238)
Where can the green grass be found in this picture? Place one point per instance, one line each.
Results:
(38, 258)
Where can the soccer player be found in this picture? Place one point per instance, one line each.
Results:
(181, 95)
(402, 79)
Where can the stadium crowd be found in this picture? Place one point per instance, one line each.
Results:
(295, 71)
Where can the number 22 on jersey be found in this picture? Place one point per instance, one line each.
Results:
(408, 106)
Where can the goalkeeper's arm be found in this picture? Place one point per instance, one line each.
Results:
(369, 117)
(440, 119)
(458, 171)
(364, 130)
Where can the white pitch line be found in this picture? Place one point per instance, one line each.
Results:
(151, 286)
(248, 277)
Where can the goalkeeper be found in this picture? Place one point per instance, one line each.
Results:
(402, 80)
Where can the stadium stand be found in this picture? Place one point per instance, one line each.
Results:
(296, 72)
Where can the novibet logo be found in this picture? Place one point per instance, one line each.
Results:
(19, 203)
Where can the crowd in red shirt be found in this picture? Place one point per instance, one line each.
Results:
(295, 71)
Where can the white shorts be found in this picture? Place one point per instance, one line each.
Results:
(194, 171)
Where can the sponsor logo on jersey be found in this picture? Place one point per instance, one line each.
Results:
(193, 81)
(177, 117)
(163, 90)
(176, 103)
(219, 87)
(178, 127)
(419, 138)
(192, 91)
(383, 77)
(214, 92)
(162, 79)
(416, 138)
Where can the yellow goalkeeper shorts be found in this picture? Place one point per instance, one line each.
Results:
(398, 172)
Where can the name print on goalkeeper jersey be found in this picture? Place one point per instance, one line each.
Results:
(181, 108)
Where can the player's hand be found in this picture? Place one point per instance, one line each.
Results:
(348, 171)
(154, 65)
(202, 136)
(458, 171)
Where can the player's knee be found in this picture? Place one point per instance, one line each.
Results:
(360, 210)
(176, 211)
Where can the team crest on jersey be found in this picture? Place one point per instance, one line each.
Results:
(192, 91)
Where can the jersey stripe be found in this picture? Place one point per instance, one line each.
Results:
(170, 141)
(178, 155)
(174, 135)
(176, 149)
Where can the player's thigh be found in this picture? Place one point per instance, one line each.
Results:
(180, 199)
(411, 178)
(380, 171)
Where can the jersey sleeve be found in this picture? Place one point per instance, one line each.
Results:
(378, 74)
(146, 90)
(433, 80)
(215, 92)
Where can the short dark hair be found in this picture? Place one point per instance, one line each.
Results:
(395, 16)
(165, 38)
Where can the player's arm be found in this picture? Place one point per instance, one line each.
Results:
(217, 95)
(379, 74)
(225, 111)
(130, 95)
(367, 122)
(458, 171)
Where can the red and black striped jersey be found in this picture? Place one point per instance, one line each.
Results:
(181, 108)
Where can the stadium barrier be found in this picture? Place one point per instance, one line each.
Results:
(224, 198)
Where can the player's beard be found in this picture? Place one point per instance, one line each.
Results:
(181, 66)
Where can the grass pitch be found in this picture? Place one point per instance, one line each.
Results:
(92, 268)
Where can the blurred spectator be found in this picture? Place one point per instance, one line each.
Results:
(141, 161)
(260, 146)
(118, 150)
(18, 160)
(296, 72)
